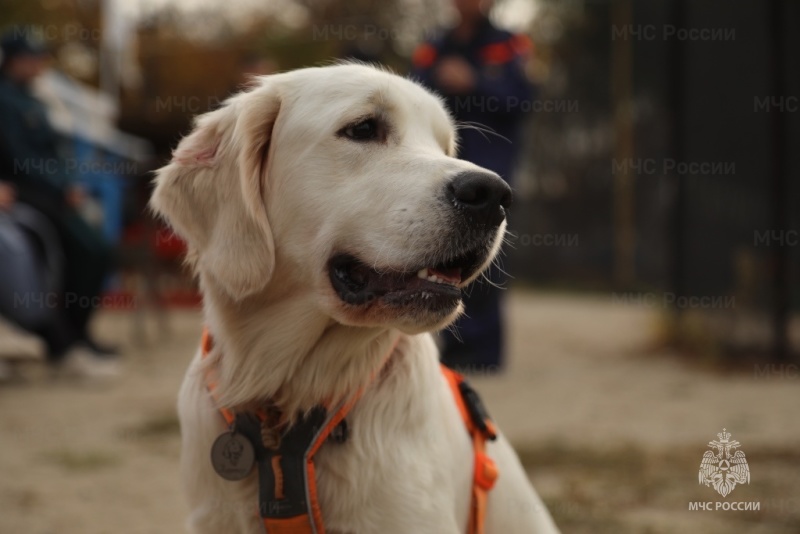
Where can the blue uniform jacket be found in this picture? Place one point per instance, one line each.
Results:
(502, 96)
(30, 156)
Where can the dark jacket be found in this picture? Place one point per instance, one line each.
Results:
(502, 96)
(29, 147)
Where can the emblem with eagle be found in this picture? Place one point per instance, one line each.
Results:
(724, 468)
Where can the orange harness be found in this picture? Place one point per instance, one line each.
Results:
(287, 493)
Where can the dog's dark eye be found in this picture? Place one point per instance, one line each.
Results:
(366, 130)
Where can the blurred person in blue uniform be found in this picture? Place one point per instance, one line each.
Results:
(32, 165)
(479, 70)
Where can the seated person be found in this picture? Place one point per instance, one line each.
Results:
(36, 174)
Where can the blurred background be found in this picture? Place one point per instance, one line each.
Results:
(654, 256)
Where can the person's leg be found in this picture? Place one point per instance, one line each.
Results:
(476, 342)
(87, 262)
(58, 336)
(45, 303)
(29, 281)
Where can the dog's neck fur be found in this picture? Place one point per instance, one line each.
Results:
(277, 347)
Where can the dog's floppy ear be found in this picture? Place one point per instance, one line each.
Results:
(211, 192)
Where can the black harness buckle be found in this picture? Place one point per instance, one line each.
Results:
(477, 411)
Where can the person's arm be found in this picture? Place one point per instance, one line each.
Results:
(503, 75)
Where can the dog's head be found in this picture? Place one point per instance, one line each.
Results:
(340, 184)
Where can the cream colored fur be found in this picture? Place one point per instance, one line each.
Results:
(264, 192)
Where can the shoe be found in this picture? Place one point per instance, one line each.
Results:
(101, 350)
(81, 363)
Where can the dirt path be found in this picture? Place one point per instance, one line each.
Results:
(582, 372)
(104, 461)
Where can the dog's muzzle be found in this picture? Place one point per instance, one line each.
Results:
(473, 208)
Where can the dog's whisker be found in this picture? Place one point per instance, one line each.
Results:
(455, 332)
(480, 128)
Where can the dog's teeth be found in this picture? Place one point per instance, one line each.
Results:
(424, 274)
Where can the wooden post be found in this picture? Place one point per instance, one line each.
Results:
(780, 187)
(622, 96)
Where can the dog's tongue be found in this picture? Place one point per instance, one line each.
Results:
(379, 282)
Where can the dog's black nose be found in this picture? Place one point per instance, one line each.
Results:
(481, 196)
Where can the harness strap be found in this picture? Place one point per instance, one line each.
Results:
(287, 494)
(287, 498)
(206, 344)
(480, 428)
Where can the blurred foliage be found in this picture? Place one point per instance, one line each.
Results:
(192, 57)
(70, 29)
(46, 13)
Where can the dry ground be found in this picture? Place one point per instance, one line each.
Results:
(611, 431)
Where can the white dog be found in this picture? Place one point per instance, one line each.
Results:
(331, 227)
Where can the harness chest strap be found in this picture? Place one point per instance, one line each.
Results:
(481, 429)
(287, 501)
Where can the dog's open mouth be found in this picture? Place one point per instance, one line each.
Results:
(436, 286)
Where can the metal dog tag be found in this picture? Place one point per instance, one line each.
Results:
(232, 456)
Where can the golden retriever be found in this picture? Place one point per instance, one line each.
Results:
(329, 221)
